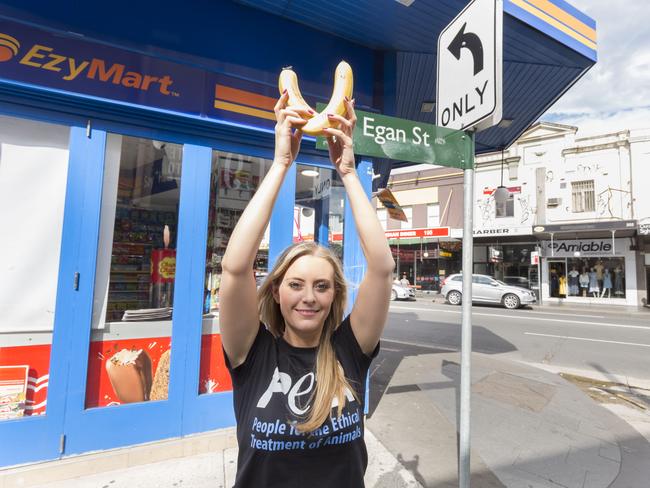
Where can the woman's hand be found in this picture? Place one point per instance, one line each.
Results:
(287, 140)
(340, 141)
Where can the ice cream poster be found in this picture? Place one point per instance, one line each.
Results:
(137, 370)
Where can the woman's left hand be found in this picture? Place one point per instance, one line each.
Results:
(340, 141)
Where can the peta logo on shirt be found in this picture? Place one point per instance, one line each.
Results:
(301, 389)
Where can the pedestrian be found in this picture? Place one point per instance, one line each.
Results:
(298, 366)
(405, 281)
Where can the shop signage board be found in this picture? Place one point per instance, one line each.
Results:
(382, 136)
(411, 233)
(578, 248)
(587, 226)
(81, 67)
(534, 258)
(511, 190)
(470, 68)
(494, 231)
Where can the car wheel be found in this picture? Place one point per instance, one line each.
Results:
(454, 297)
(511, 301)
(393, 295)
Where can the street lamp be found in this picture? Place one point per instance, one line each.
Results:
(501, 193)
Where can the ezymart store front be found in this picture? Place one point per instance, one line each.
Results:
(122, 176)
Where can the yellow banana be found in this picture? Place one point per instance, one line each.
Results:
(343, 84)
(289, 81)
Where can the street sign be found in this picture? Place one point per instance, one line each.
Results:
(406, 140)
(470, 68)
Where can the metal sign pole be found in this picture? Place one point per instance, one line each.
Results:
(466, 340)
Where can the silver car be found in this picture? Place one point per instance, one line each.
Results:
(486, 289)
(401, 292)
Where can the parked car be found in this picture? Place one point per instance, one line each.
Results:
(401, 292)
(519, 281)
(486, 289)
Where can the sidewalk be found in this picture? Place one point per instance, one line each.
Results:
(530, 428)
(202, 461)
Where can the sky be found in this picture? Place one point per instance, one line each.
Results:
(615, 93)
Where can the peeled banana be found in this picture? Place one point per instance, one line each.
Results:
(343, 84)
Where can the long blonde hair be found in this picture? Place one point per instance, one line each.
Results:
(330, 379)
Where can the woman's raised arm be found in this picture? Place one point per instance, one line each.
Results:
(370, 310)
(238, 316)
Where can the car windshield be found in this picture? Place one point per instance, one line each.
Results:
(501, 282)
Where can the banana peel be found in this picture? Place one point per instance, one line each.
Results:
(343, 86)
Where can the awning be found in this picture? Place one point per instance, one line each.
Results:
(548, 46)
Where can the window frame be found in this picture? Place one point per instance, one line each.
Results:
(583, 196)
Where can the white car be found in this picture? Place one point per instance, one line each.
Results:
(401, 292)
(486, 289)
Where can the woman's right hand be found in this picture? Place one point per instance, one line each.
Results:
(287, 140)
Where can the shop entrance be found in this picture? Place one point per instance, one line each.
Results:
(557, 278)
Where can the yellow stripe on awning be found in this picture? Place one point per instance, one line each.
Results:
(242, 109)
(555, 23)
(565, 17)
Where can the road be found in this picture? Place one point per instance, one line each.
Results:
(611, 343)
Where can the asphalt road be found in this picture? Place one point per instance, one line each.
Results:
(607, 342)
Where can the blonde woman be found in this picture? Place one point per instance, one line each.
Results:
(298, 366)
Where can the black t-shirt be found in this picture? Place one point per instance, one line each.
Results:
(272, 388)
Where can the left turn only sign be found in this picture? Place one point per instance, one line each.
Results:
(470, 68)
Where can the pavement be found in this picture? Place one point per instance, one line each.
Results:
(531, 428)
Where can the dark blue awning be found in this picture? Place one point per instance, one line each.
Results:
(548, 46)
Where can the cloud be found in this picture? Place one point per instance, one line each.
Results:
(604, 122)
(616, 91)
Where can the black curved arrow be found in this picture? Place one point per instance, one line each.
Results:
(470, 41)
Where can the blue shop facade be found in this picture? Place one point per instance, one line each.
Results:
(132, 137)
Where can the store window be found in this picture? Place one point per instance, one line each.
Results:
(233, 182)
(319, 207)
(33, 174)
(505, 209)
(130, 350)
(596, 277)
(583, 196)
(433, 215)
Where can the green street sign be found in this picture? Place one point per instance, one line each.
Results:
(405, 140)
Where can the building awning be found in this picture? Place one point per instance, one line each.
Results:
(616, 228)
(547, 47)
